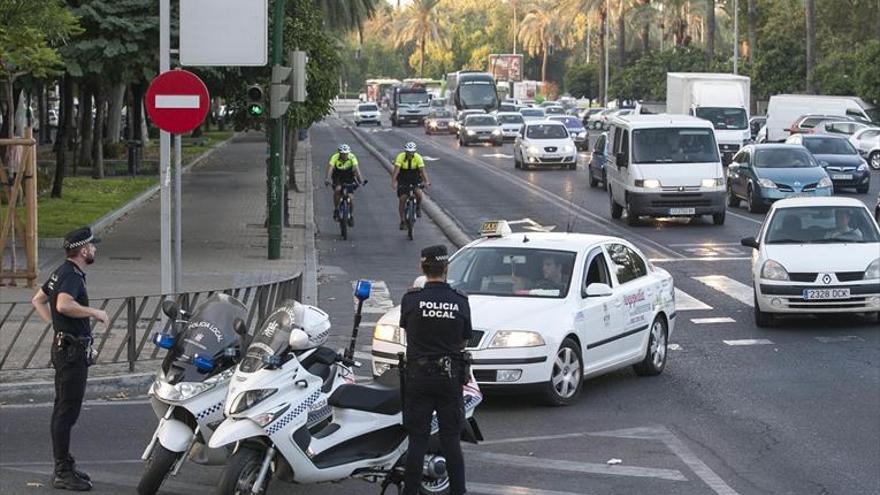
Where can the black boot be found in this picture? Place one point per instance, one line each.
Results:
(66, 479)
(79, 474)
(335, 215)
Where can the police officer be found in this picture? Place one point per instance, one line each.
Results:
(437, 320)
(64, 302)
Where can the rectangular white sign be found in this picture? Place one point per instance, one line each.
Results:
(224, 32)
(177, 101)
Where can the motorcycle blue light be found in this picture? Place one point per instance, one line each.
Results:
(203, 363)
(163, 340)
(362, 291)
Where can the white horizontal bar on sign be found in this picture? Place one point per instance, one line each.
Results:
(177, 101)
(748, 342)
(687, 302)
(726, 285)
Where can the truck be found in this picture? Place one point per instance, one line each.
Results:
(409, 103)
(722, 99)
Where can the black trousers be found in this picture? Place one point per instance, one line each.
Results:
(424, 395)
(71, 371)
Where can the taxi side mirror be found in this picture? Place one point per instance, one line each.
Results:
(599, 290)
(750, 242)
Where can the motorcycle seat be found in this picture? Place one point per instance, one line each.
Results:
(382, 396)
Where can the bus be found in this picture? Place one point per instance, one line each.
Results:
(472, 90)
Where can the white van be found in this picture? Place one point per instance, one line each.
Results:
(783, 110)
(664, 166)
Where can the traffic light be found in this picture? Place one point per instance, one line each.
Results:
(255, 100)
(279, 92)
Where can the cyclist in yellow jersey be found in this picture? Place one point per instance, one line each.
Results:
(409, 170)
(342, 169)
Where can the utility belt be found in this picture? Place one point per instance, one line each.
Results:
(453, 366)
(70, 349)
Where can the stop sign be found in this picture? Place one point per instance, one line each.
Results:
(177, 101)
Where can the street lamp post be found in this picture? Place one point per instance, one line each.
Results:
(736, 36)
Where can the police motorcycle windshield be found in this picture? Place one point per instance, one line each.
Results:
(272, 341)
(200, 351)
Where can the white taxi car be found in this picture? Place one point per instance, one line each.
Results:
(550, 309)
(816, 255)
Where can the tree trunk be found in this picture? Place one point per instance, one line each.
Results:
(603, 14)
(751, 20)
(422, 56)
(84, 152)
(65, 122)
(544, 64)
(621, 34)
(810, 11)
(114, 113)
(42, 114)
(9, 120)
(710, 30)
(98, 149)
(646, 33)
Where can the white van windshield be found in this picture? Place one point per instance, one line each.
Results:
(724, 118)
(674, 145)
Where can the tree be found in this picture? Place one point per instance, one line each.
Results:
(752, 21)
(710, 29)
(568, 10)
(347, 15)
(810, 18)
(419, 23)
(582, 81)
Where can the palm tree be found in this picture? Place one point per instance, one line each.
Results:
(810, 11)
(348, 15)
(419, 22)
(709, 21)
(568, 10)
(540, 30)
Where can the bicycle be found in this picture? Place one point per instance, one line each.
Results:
(410, 208)
(344, 208)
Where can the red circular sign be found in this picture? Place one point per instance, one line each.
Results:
(177, 101)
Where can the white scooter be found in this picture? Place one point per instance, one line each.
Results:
(267, 407)
(190, 389)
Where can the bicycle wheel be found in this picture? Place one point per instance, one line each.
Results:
(410, 215)
(343, 220)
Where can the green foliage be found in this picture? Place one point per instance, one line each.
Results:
(780, 64)
(646, 79)
(582, 81)
(30, 31)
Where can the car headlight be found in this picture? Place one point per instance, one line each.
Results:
(249, 399)
(648, 183)
(582, 134)
(496, 132)
(264, 419)
(767, 183)
(516, 338)
(863, 167)
(712, 182)
(873, 270)
(534, 150)
(825, 182)
(772, 270)
(568, 149)
(432, 123)
(389, 333)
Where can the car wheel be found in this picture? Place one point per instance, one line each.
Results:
(874, 160)
(616, 209)
(632, 219)
(718, 218)
(732, 199)
(566, 376)
(655, 354)
(762, 318)
(752, 201)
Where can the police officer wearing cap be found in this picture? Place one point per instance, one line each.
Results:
(437, 320)
(64, 302)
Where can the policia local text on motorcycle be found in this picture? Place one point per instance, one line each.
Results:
(64, 301)
(437, 321)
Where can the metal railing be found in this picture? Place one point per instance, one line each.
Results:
(25, 339)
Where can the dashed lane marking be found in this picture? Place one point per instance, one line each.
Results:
(730, 287)
(709, 321)
(687, 302)
(840, 338)
(745, 342)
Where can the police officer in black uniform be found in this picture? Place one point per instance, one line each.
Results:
(437, 320)
(64, 302)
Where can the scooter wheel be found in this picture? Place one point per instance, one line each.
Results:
(158, 466)
(241, 472)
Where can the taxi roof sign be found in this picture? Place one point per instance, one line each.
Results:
(495, 228)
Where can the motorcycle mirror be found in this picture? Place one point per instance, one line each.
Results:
(299, 339)
(239, 326)
(170, 308)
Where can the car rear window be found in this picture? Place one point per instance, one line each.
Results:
(480, 120)
(367, 108)
(783, 158)
(546, 131)
(829, 146)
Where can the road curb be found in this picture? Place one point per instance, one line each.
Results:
(103, 387)
(444, 220)
(310, 271)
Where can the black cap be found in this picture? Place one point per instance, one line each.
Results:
(435, 254)
(79, 237)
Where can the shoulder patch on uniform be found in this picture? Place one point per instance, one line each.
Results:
(413, 289)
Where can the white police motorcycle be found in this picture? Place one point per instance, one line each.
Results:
(190, 389)
(267, 417)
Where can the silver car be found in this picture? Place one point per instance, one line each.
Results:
(480, 129)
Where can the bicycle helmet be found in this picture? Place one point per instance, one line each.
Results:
(410, 147)
(344, 148)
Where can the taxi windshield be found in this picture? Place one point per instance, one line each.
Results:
(273, 337)
(821, 225)
(517, 272)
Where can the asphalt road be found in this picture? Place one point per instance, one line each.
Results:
(789, 410)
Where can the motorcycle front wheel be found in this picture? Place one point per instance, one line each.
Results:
(241, 473)
(158, 466)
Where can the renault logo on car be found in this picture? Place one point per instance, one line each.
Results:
(826, 279)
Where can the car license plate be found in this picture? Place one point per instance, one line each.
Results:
(842, 177)
(822, 294)
(682, 211)
(552, 155)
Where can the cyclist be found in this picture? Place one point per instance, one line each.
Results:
(409, 170)
(342, 169)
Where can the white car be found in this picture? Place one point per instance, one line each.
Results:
(544, 142)
(551, 311)
(366, 113)
(511, 123)
(532, 114)
(867, 141)
(816, 255)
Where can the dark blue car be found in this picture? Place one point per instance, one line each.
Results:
(839, 158)
(598, 158)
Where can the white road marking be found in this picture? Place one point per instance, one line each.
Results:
(841, 338)
(380, 298)
(687, 302)
(730, 287)
(363, 356)
(742, 342)
(707, 321)
(575, 467)
(743, 217)
(177, 101)
(491, 489)
(532, 439)
(673, 347)
(679, 449)
(710, 251)
(498, 155)
(429, 158)
(86, 404)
